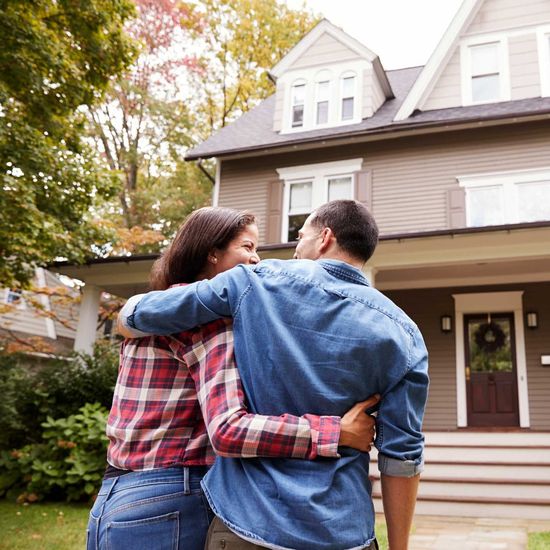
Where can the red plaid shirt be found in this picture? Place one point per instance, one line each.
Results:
(173, 392)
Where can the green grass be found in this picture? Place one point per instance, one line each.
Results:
(539, 541)
(60, 526)
(51, 526)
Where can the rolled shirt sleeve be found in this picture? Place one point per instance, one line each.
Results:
(399, 440)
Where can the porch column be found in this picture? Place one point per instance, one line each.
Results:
(87, 319)
(370, 273)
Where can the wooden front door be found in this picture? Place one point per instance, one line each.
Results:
(491, 379)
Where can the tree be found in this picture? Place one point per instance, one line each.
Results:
(55, 57)
(240, 41)
(143, 128)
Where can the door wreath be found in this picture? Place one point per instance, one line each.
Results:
(489, 337)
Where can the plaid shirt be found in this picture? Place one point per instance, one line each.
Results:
(175, 394)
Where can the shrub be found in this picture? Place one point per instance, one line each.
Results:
(68, 463)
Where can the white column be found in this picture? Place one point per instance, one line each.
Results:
(370, 273)
(87, 319)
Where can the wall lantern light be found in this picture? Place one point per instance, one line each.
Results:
(532, 319)
(446, 323)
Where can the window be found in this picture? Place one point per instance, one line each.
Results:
(543, 39)
(497, 199)
(308, 187)
(299, 207)
(298, 101)
(348, 97)
(323, 94)
(485, 72)
(14, 298)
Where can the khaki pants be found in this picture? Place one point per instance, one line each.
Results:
(221, 537)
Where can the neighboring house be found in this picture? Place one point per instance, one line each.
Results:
(453, 159)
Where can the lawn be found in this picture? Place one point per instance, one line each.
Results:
(539, 541)
(60, 526)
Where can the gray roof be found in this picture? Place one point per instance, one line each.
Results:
(254, 130)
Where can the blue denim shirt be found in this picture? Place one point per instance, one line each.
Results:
(310, 337)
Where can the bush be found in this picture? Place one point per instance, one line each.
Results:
(57, 389)
(68, 463)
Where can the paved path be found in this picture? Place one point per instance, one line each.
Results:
(452, 533)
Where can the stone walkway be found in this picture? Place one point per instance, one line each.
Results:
(457, 533)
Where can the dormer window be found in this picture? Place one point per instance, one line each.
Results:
(322, 102)
(298, 102)
(348, 97)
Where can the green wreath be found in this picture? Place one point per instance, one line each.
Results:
(489, 337)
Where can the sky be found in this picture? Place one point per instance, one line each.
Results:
(403, 33)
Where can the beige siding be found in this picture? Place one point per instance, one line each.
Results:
(25, 320)
(411, 176)
(324, 51)
(279, 107)
(524, 66)
(425, 307)
(373, 94)
(446, 91)
(497, 15)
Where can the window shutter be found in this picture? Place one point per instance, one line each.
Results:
(363, 188)
(274, 212)
(456, 208)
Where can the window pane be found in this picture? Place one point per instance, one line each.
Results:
(322, 90)
(484, 59)
(347, 108)
(322, 112)
(298, 94)
(14, 297)
(485, 88)
(348, 87)
(339, 188)
(533, 201)
(294, 225)
(485, 206)
(297, 115)
(300, 198)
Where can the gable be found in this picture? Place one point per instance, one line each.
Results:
(511, 31)
(326, 50)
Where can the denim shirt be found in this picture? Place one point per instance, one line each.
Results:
(310, 337)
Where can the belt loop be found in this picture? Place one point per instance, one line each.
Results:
(186, 486)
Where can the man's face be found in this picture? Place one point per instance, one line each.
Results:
(309, 239)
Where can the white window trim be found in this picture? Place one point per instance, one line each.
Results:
(543, 41)
(347, 74)
(466, 68)
(329, 100)
(297, 82)
(318, 174)
(493, 302)
(508, 181)
(311, 77)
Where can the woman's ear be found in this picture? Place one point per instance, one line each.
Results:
(212, 258)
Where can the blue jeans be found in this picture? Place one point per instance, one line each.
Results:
(162, 509)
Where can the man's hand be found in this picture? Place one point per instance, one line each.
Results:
(357, 427)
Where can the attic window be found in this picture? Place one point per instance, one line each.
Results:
(485, 72)
(298, 101)
(348, 97)
(323, 94)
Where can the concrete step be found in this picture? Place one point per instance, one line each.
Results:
(475, 488)
(470, 508)
(476, 438)
(485, 455)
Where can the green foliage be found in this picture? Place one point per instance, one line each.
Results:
(55, 56)
(57, 389)
(539, 541)
(68, 463)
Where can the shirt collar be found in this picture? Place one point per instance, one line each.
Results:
(344, 271)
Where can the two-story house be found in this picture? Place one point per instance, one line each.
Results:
(453, 159)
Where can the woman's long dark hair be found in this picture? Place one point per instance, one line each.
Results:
(203, 231)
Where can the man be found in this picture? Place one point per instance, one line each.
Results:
(312, 336)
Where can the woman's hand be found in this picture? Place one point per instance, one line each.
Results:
(357, 427)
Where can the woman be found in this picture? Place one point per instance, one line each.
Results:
(173, 392)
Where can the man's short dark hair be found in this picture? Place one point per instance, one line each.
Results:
(352, 224)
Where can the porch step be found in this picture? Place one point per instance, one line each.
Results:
(482, 474)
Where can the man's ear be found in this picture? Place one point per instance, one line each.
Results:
(327, 239)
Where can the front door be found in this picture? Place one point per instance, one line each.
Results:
(491, 378)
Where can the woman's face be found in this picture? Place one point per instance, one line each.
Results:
(241, 250)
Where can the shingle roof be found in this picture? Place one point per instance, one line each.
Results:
(254, 130)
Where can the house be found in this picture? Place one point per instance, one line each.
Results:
(453, 159)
